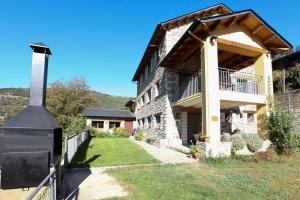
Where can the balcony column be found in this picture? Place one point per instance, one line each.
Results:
(210, 91)
(263, 67)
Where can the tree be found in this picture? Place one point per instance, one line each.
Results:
(66, 101)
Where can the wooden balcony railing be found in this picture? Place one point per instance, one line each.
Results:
(229, 80)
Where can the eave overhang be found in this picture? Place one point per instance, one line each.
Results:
(163, 26)
(203, 27)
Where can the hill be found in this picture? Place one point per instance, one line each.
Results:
(14, 99)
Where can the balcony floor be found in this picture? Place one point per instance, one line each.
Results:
(227, 98)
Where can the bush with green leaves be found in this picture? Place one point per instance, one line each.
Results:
(253, 141)
(226, 137)
(238, 143)
(295, 143)
(139, 135)
(280, 128)
(294, 77)
(197, 149)
(152, 139)
(121, 132)
(75, 124)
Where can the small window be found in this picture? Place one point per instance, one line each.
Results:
(158, 120)
(157, 85)
(114, 124)
(250, 117)
(149, 95)
(97, 124)
(149, 121)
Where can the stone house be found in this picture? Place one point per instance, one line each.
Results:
(106, 120)
(208, 71)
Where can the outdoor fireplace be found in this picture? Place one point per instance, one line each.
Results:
(31, 142)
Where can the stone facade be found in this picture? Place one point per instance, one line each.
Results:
(161, 84)
(290, 100)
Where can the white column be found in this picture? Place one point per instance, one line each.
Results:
(210, 91)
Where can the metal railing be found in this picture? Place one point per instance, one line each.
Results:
(189, 86)
(229, 80)
(46, 190)
(239, 81)
(72, 143)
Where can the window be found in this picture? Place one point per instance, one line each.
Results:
(157, 120)
(149, 121)
(141, 102)
(144, 99)
(97, 124)
(149, 95)
(250, 117)
(114, 124)
(157, 85)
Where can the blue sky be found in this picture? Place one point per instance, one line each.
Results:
(103, 41)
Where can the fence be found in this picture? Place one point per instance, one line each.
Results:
(72, 143)
(46, 189)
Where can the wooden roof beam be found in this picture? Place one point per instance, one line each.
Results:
(198, 46)
(269, 39)
(230, 22)
(243, 19)
(215, 25)
(257, 29)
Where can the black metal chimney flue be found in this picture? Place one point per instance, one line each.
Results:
(39, 72)
(31, 142)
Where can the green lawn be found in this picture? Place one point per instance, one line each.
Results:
(110, 151)
(226, 179)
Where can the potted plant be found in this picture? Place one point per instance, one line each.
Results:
(197, 151)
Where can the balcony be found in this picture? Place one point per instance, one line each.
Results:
(229, 80)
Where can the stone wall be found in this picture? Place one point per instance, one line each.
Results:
(290, 100)
(161, 103)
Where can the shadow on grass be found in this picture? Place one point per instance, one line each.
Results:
(79, 159)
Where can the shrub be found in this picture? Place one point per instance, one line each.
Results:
(226, 137)
(253, 141)
(93, 132)
(139, 135)
(295, 140)
(100, 134)
(121, 132)
(278, 80)
(238, 143)
(152, 139)
(280, 129)
(294, 77)
(197, 149)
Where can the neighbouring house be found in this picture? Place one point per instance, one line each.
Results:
(209, 71)
(106, 120)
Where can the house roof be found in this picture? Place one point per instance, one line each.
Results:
(110, 113)
(163, 26)
(202, 27)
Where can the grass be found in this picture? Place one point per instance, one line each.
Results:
(98, 152)
(235, 178)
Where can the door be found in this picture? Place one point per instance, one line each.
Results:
(129, 126)
(194, 126)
